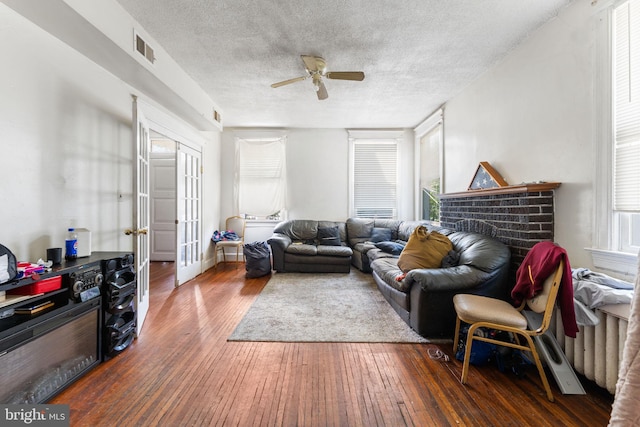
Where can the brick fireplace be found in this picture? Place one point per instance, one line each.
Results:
(519, 215)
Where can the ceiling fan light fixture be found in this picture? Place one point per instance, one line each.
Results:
(316, 68)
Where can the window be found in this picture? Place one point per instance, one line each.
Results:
(617, 184)
(626, 124)
(373, 174)
(429, 167)
(260, 177)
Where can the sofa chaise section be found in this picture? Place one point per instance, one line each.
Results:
(424, 297)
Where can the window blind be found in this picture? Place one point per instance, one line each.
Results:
(375, 179)
(260, 176)
(626, 106)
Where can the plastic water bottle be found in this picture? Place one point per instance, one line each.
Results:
(71, 245)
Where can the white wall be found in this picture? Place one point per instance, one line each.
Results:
(66, 146)
(318, 174)
(65, 133)
(531, 117)
(210, 194)
(66, 140)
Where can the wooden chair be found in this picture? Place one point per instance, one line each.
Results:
(236, 224)
(485, 312)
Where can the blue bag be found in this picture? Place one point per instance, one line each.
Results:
(481, 352)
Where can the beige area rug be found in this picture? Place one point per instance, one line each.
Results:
(325, 307)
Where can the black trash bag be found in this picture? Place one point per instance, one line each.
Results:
(257, 259)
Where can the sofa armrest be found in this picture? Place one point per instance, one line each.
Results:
(459, 278)
(279, 243)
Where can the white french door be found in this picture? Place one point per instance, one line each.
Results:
(189, 207)
(141, 216)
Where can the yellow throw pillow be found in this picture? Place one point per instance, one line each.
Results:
(424, 250)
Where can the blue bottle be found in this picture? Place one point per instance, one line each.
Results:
(71, 245)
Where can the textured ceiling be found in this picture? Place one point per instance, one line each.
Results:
(416, 54)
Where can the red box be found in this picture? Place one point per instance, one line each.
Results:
(39, 287)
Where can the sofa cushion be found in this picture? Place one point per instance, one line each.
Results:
(364, 247)
(376, 253)
(380, 234)
(298, 229)
(359, 230)
(393, 248)
(340, 251)
(479, 251)
(425, 249)
(329, 236)
(387, 269)
(302, 249)
(406, 229)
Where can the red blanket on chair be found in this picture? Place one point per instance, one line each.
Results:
(542, 260)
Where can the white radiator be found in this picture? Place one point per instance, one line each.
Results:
(596, 352)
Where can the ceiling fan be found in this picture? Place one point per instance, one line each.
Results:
(316, 68)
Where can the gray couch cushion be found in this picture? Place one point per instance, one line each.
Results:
(376, 253)
(300, 229)
(407, 227)
(387, 269)
(477, 250)
(359, 230)
(364, 247)
(302, 249)
(335, 250)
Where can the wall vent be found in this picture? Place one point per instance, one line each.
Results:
(143, 48)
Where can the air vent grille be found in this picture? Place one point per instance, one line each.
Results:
(144, 49)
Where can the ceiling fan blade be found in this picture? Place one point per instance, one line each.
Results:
(345, 75)
(313, 63)
(321, 91)
(286, 82)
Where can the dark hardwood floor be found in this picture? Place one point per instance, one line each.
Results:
(182, 371)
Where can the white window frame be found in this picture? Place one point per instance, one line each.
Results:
(609, 251)
(258, 136)
(373, 137)
(434, 121)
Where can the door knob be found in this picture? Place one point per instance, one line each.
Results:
(129, 231)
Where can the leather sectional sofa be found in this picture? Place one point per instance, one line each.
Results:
(309, 246)
(423, 298)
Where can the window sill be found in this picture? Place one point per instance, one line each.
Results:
(622, 263)
(261, 222)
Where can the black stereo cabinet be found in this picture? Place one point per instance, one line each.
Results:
(44, 351)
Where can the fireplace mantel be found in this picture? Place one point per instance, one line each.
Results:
(520, 188)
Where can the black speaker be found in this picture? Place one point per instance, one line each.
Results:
(119, 294)
(119, 331)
